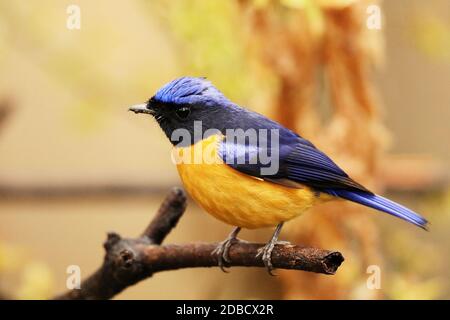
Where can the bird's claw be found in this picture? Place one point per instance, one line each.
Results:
(222, 252)
(223, 249)
(266, 254)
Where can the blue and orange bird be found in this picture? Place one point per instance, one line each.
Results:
(236, 184)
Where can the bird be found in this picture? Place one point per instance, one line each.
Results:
(245, 182)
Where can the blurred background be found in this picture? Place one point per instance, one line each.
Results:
(370, 90)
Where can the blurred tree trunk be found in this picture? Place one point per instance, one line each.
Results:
(323, 51)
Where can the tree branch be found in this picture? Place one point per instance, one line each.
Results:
(128, 261)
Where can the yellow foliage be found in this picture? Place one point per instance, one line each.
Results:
(432, 36)
(325, 4)
(37, 282)
(11, 257)
(35, 278)
(412, 289)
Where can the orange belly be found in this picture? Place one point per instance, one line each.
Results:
(236, 198)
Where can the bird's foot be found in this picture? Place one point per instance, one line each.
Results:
(223, 249)
(266, 254)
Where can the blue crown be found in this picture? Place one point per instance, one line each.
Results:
(190, 90)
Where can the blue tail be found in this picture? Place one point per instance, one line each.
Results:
(380, 203)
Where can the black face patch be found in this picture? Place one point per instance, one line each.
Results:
(176, 120)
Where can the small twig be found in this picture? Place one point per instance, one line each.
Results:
(18, 192)
(128, 261)
(167, 217)
(5, 111)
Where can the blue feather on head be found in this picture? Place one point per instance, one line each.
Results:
(190, 90)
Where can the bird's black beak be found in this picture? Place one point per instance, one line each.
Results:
(142, 108)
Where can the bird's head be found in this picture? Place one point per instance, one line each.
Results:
(184, 101)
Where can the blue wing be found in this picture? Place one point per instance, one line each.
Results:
(300, 162)
(308, 165)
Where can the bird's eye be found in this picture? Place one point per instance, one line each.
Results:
(183, 112)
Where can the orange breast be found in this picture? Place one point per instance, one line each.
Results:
(236, 198)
